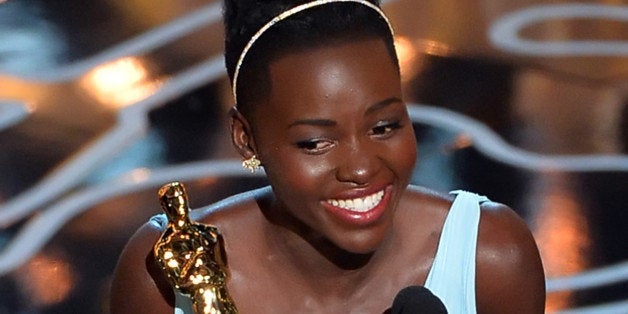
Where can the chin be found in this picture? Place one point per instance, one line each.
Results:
(351, 258)
(365, 242)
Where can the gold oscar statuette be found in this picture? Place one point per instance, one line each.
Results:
(192, 255)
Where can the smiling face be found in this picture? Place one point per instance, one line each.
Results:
(335, 140)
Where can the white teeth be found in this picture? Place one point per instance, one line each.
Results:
(359, 204)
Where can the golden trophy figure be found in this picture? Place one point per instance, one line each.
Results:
(192, 255)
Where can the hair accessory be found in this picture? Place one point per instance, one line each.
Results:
(283, 16)
(252, 164)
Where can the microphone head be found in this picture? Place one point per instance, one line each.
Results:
(417, 299)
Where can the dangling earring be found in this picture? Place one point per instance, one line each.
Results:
(252, 164)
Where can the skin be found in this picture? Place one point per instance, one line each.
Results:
(332, 128)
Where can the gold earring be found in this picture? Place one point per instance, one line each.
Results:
(251, 164)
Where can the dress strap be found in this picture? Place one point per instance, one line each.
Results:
(452, 277)
(183, 303)
(159, 220)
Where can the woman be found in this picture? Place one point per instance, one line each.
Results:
(338, 230)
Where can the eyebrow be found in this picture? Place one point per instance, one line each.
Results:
(327, 123)
(382, 104)
(316, 122)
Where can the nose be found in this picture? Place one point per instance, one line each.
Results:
(358, 164)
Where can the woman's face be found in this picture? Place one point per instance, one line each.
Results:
(336, 142)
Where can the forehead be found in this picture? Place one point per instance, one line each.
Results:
(322, 79)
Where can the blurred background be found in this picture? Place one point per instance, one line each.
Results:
(103, 101)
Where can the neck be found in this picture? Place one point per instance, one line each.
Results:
(315, 258)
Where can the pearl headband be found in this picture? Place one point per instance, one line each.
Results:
(283, 16)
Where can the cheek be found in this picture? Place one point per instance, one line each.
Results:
(298, 184)
(403, 153)
(297, 172)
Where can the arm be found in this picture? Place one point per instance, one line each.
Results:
(138, 284)
(509, 273)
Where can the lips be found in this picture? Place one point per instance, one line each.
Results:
(362, 210)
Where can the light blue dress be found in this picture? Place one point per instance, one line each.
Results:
(452, 277)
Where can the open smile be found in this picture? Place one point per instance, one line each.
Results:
(360, 210)
(361, 205)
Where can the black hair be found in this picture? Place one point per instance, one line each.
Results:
(323, 25)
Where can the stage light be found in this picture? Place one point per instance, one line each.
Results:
(120, 83)
(46, 280)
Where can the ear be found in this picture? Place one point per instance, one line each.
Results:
(241, 134)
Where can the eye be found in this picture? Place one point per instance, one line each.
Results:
(385, 129)
(315, 146)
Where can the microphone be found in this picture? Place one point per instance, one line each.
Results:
(417, 299)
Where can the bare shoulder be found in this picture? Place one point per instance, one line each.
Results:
(420, 216)
(423, 211)
(232, 209)
(138, 286)
(509, 272)
(422, 197)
